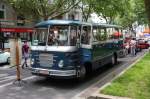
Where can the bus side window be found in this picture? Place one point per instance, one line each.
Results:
(85, 37)
(73, 36)
(50, 39)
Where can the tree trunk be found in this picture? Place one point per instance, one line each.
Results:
(45, 18)
(147, 6)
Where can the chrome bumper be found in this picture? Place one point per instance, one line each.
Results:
(51, 72)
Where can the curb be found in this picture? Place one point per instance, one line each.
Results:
(97, 95)
(102, 96)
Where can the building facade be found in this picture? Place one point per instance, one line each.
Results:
(11, 25)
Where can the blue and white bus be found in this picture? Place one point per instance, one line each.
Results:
(71, 49)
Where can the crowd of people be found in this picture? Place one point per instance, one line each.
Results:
(130, 46)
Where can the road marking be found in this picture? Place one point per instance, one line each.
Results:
(10, 83)
(5, 67)
(3, 75)
(7, 78)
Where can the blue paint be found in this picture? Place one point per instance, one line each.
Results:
(86, 55)
(71, 60)
(57, 22)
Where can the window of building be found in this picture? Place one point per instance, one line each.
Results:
(2, 14)
(20, 20)
(3, 6)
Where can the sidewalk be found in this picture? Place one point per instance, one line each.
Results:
(8, 67)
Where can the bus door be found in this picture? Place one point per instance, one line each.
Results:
(86, 43)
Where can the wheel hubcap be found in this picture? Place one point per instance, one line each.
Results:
(113, 60)
(8, 60)
(83, 71)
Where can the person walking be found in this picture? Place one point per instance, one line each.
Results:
(127, 46)
(133, 47)
(25, 52)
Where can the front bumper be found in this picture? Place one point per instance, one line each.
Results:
(50, 72)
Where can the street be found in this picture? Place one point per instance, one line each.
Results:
(46, 88)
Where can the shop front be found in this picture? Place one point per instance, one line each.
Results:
(23, 32)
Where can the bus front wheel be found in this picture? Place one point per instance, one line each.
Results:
(82, 73)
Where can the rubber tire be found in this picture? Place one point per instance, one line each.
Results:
(8, 60)
(83, 73)
(114, 60)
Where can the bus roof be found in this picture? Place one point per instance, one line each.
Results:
(59, 22)
(45, 24)
(106, 25)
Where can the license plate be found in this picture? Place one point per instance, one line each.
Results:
(44, 72)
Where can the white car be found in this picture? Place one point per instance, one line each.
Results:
(4, 57)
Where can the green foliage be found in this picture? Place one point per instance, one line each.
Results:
(134, 83)
(147, 6)
(135, 13)
(110, 9)
(43, 9)
(122, 12)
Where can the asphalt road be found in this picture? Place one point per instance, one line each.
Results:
(42, 88)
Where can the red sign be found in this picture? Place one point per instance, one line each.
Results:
(16, 30)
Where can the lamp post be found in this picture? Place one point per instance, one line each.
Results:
(17, 57)
(0, 35)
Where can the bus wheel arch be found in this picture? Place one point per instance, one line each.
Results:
(88, 67)
(85, 69)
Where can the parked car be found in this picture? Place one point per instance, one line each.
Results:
(4, 57)
(148, 41)
(143, 44)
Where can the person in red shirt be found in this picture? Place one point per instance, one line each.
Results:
(25, 52)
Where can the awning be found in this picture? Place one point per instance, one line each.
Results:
(147, 35)
(17, 30)
(147, 30)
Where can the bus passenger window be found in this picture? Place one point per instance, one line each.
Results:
(73, 38)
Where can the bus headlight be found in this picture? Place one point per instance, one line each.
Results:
(32, 61)
(61, 63)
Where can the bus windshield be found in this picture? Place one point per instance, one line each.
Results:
(57, 36)
(40, 36)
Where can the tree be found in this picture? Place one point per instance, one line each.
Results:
(147, 6)
(87, 9)
(108, 9)
(43, 9)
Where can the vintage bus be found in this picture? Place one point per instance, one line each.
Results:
(72, 49)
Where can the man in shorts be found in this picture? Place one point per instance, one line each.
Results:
(25, 52)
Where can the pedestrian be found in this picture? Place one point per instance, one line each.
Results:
(133, 47)
(25, 52)
(127, 46)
